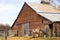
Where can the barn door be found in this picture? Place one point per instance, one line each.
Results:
(25, 29)
(51, 29)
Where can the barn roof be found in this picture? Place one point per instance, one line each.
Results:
(50, 16)
(47, 11)
(43, 7)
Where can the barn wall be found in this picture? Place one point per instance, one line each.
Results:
(57, 28)
(28, 15)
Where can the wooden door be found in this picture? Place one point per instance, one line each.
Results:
(25, 29)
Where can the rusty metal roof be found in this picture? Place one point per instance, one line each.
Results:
(43, 7)
(50, 16)
(47, 11)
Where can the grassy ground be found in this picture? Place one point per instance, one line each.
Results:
(30, 38)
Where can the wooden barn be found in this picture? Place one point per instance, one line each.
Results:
(32, 16)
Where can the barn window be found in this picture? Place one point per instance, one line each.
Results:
(25, 29)
(42, 21)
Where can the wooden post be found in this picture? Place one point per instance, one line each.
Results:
(6, 34)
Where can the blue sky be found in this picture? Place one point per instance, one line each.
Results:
(9, 9)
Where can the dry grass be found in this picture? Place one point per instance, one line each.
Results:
(30, 38)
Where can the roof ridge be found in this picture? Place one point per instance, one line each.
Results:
(49, 12)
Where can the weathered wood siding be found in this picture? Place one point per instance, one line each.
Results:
(28, 15)
(56, 28)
